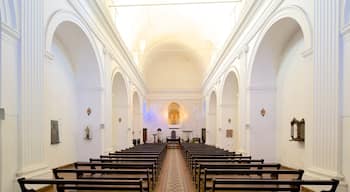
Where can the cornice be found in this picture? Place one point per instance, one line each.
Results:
(174, 95)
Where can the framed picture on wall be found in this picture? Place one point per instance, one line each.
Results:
(55, 137)
(229, 133)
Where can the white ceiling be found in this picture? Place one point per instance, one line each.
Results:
(194, 28)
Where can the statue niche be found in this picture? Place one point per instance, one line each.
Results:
(174, 114)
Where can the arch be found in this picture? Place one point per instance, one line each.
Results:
(73, 75)
(63, 16)
(121, 135)
(293, 12)
(230, 111)
(346, 12)
(212, 119)
(174, 117)
(9, 13)
(137, 116)
(277, 67)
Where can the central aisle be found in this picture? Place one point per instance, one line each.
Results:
(175, 176)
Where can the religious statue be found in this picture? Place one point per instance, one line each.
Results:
(87, 133)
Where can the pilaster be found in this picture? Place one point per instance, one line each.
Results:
(31, 88)
(326, 135)
(243, 100)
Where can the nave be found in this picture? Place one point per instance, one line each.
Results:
(186, 168)
(85, 78)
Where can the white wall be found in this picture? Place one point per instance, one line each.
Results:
(229, 110)
(262, 130)
(212, 120)
(346, 104)
(155, 115)
(136, 118)
(120, 108)
(61, 103)
(9, 140)
(294, 99)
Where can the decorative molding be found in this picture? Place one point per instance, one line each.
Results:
(31, 88)
(174, 95)
(346, 31)
(307, 53)
(316, 171)
(49, 56)
(326, 154)
(9, 31)
(33, 170)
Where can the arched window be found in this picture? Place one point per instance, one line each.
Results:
(174, 114)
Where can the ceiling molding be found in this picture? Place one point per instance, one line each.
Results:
(175, 3)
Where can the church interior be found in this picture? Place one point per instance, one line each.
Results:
(174, 95)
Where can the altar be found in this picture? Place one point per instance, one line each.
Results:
(174, 134)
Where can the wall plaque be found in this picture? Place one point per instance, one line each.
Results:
(2, 114)
(229, 133)
(55, 138)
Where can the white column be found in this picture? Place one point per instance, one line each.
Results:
(31, 88)
(326, 135)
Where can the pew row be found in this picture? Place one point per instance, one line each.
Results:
(269, 185)
(108, 174)
(82, 184)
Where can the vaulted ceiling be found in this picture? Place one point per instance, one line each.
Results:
(188, 30)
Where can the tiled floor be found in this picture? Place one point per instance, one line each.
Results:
(175, 176)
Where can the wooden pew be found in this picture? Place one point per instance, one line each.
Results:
(83, 184)
(192, 158)
(143, 156)
(269, 185)
(219, 161)
(132, 158)
(107, 174)
(202, 166)
(159, 149)
(134, 166)
(210, 174)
